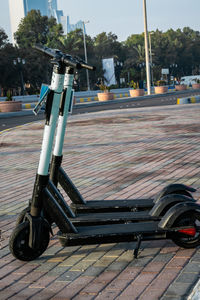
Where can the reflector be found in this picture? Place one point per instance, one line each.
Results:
(188, 231)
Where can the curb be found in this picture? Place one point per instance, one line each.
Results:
(116, 96)
(28, 105)
(91, 101)
(189, 100)
(25, 112)
(79, 100)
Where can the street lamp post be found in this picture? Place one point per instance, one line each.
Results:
(19, 62)
(172, 70)
(118, 67)
(85, 50)
(151, 60)
(141, 66)
(146, 49)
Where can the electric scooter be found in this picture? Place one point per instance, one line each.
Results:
(79, 205)
(103, 212)
(30, 237)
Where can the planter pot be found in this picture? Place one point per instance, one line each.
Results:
(136, 93)
(181, 87)
(196, 86)
(161, 89)
(8, 106)
(105, 96)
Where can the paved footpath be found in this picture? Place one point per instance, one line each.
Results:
(117, 154)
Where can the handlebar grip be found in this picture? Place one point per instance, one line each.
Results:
(85, 66)
(71, 63)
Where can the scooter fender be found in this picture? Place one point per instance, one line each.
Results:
(173, 188)
(166, 202)
(174, 212)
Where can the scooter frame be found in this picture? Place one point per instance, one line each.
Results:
(79, 204)
(30, 238)
(100, 212)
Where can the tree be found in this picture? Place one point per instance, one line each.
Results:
(35, 28)
(135, 57)
(73, 44)
(107, 45)
(7, 54)
(179, 47)
(3, 38)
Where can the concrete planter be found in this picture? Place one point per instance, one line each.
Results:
(196, 86)
(105, 96)
(161, 89)
(9, 106)
(136, 93)
(181, 87)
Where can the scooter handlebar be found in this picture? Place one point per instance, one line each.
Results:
(53, 53)
(45, 50)
(67, 59)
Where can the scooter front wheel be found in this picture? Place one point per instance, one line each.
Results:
(19, 243)
(21, 216)
(187, 238)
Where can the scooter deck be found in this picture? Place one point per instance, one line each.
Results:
(110, 218)
(112, 205)
(112, 233)
(79, 205)
(105, 212)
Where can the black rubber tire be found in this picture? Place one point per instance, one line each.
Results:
(189, 219)
(18, 243)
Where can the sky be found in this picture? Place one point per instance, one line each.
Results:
(123, 17)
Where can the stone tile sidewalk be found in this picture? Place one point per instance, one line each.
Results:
(109, 155)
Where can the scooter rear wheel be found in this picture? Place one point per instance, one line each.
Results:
(19, 243)
(192, 219)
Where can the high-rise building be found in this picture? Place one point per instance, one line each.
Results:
(57, 14)
(20, 8)
(72, 27)
(41, 5)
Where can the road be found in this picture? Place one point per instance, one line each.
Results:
(158, 100)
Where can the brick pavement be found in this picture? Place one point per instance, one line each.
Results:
(109, 155)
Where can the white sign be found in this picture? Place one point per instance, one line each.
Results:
(165, 71)
(109, 71)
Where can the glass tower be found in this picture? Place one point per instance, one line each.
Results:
(20, 8)
(41, 5)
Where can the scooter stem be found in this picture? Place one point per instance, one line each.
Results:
(49, 130)
(64, 109)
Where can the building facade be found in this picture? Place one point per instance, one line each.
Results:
(19, 9)
(57, 14)
(72, 27)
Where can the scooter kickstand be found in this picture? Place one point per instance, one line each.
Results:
(139, 240)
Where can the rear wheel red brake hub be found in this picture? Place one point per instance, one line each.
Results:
(188, 231)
